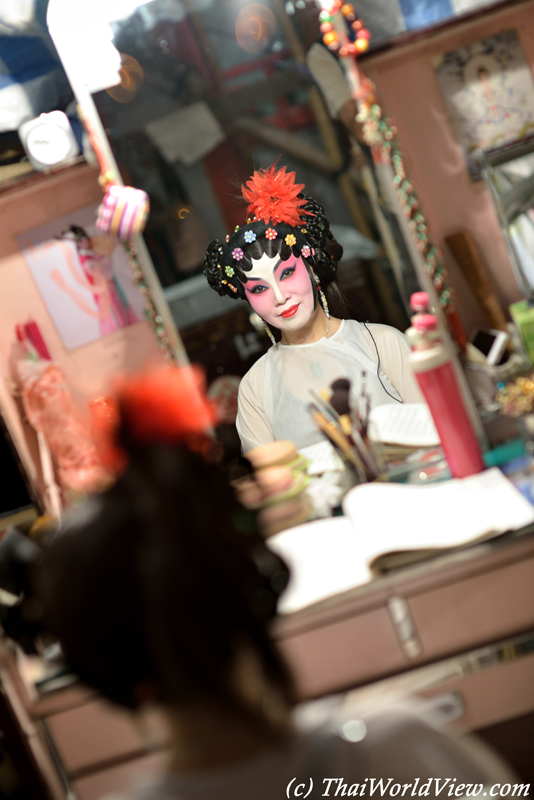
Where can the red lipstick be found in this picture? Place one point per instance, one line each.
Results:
(290, 312)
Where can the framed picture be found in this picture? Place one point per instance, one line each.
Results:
(489, 91)
(84, 279)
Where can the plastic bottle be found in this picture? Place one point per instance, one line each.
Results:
(435, 375)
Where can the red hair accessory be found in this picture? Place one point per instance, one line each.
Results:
(273, 197)
(166, 405)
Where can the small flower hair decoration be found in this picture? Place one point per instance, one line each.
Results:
(277, 212)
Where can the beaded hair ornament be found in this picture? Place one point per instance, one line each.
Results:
(277, 209)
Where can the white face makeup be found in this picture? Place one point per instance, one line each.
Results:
(281, 292)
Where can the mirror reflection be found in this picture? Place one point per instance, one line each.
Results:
(513, 179)
(203, 96)
(288, 237)
(210, 92)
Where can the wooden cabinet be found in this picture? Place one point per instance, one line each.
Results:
(448, 628)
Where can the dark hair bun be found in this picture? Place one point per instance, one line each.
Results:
(213, 267)
(159, 579)
(328, 252)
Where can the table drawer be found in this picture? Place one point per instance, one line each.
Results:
(96, 734)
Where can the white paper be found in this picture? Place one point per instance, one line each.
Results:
(325, 558)
(409, 424)
(389, 517)
(187, 135)
(322, 458)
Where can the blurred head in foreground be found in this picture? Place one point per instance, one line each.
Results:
(161, 589)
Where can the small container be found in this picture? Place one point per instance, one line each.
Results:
(420, 305)
(420, 302)
(425, 323)
(425, 331)
(123, 212)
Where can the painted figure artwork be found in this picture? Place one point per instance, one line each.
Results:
(83, 277)
(95, 258)
(489, 90)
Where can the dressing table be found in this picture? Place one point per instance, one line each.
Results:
(456, 632)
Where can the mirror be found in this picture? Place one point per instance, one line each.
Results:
(209, 91)
(509, 174)
(206, 93)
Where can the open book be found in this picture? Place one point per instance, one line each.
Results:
(324, 558)
(401, 523)
(388, 525)
(402, 429)
(407, 424)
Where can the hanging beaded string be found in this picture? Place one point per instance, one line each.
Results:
(379, 133)
(151, 314)
(346, 35)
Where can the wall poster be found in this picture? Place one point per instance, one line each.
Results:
(489, 91)
(84, 279)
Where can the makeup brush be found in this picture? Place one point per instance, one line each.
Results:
(339, 440)
(340, 402)
(350, 432)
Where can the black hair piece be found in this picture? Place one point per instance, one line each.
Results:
(159, 580)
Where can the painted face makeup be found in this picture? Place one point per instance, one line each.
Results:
(281, 292)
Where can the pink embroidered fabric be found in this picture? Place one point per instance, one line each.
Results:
(50, 409)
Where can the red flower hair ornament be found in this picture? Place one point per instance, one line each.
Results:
(165, 405)
(272, 196)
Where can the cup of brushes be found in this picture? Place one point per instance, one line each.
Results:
(346, 430)
(276, 487)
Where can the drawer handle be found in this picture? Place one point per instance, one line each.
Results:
(403, 623)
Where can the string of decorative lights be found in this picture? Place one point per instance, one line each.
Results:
(346, 36)
(153, 318)
(358, 36)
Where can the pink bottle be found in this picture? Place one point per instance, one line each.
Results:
(419, 303)
(435, 375)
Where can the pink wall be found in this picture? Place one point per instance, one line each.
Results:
(89, 369)
(409, 93)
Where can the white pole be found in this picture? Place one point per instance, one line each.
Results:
(65, 19)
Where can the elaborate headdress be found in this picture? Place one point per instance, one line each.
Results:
(165, 405)
(279, 213)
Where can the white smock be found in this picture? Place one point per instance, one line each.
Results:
(396, 746)
(275, 393)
